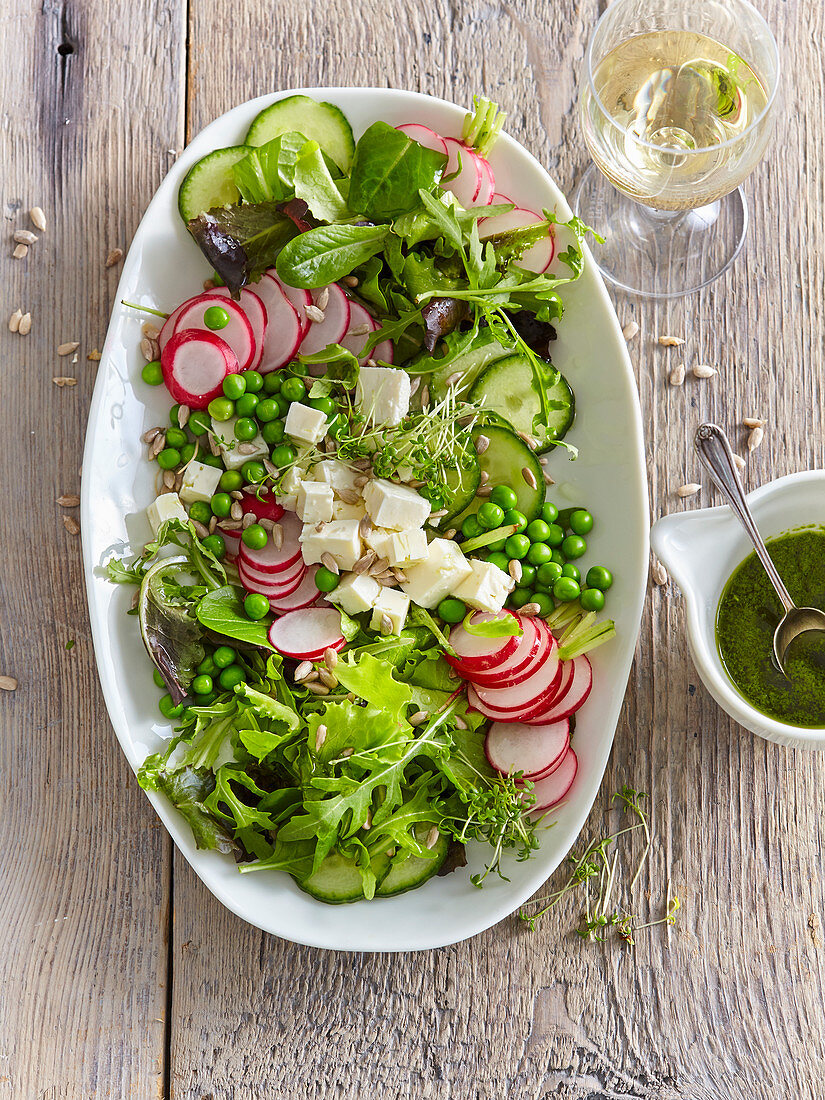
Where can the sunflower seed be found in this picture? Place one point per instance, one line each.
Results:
(149, 349)
(361, 464)
(677, 375)
(38, 218)
(15, 319)
(530, 440)
(236, 511)
(425, 396)
(213, 523)
(530, 609)
(330, 563)
(688, 490)
(704, 370)
(246, 448)
(483, 477)
(671, 341)
(379, 566)
(416, 382)
(753, 421)
(68, 348)
(178, 480)
(630, 330)
(94, 356)
(349, 496)
(23, 236)
(481, 444)
(183, 415)
(419, 716)
(360, 481)
(314, 314)
(21, 252)
(739, 462)
(158, 443)
(450, 534)
(200, 530)
(399, 574)
(347, 753)
(267, 524)
(659, 573)
(71, 525)
(8, 683)
(68, 500)
(25, 326)
(213, 445)
(150, 434)
(432, 837)
(277, 536)
(322, 301)
(150, 330)
(270, 467)
(453, 378)
(248, 520)
(63, 380)
(169, 479)
(328, 678)
(755, 438)
(440, 514)
(230, 525)
(330, 658)
(460, 723)
(320, 736)
(253, 490)
(548, 480)
(387, 578)
(364, 562)
(529, 477)
(386, 625)
(302, 671)
(350, 280)
(318, 689)
(514, 569)
(484, 490)
(208, 284)
(365, 527)
(114, 257)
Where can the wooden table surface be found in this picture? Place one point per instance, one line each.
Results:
(120, 976)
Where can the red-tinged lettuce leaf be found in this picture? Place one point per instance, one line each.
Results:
(441, 316)
(188, 790)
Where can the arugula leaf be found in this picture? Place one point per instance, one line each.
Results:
(241, 242)
(222, 611)
(328, 253)
(243, 816)
(315, 185)
(445, 219)
(388, 171)
(267, 706)
(372, 679)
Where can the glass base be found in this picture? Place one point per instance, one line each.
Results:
(660, 253)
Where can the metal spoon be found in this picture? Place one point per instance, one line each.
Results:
(714, 450)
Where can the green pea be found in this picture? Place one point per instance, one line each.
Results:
(234, 386)
(169, 458)
(245, 428)
(208, 459)
(452, 610)
(549, 573)
(499, 559)
(215, 317)
(599, 577)
(543, 602)
(326, 405)
(221, 408)
(221, 504)
(539, 553)
(173, 416)
(571, 570)
(199, 423)
(581, 522)
(557, 557)
(253, 471)
(566, 590)
(592, 599)
(247, 405)
(152, 374)
(573, 546)
(215, 545)
(555, 535)
(159, 680)
(200, 512)
(168, 709)
(513, 516)
(519, 597)
(254, 381)
(202, 685)
(272, 382)
(283, 455)
(490, 516)
(255, 537)
(206, 700)
(207, 665)
(187, 452)
(471, 528)
(231, 676)
(255, 605)
(326, 580)
(176, 438)
(528, 575)
(538, 530)
(517, 546)
(224, 656)
(272, 432)
(231, 480)
(505, 497)
(496, 547)
(282, 403)
(549, 512)
(266, 410)
(293, 389)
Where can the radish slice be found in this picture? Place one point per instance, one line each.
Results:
(232, 540)
(424, 136)
(256, 313)
(467, 183)
(286, 577)
(552, 789)
(499, 200)
(533, 647)
(354, 342)
(263, 509)
(168, 330)
(335, 323)
(529, 696)
(534, 750)
(383, 352)
(488, 184)
(305, 595)
(536, 259)
(194, 365)
(271, 560)
(284, 330)
(475, 654)
(298, 298)
(237, 333)
(577, 692)
(302, 634)
(269, 588)
(563, 238)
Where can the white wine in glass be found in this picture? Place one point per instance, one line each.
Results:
(676, 109)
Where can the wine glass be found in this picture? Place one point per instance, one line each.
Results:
(677, 108)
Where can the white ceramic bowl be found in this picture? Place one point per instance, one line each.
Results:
(164, 267)
(700, 549)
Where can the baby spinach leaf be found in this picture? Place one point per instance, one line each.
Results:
(328, 253)
(315, 185)
(388, 170)
(222, 611)
(241, 242)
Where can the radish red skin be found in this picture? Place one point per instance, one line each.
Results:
(552, 789)
(475, 654)
(256, 313)
(263, 509)
(306, 595)
(215, 360)
(574, 698)
(509, 674)
(535, 751)
(529, 694)
(271, 560)
(237, 333)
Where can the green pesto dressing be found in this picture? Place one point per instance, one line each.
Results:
(748, 614)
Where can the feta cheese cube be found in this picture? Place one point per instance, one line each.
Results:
(395, 506)
(408, 547)
(225, 434)
(165, 507)
(383, 394)
(339, 538)
(200, 482)
(313, 502)
(340, 510)
(394, 605)
(438, 576)
(305, 424)
(486, 588)
(357, 592)
(335, 473)
(380, 541)
(290, 483)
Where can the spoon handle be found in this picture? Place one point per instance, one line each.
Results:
(714, 450)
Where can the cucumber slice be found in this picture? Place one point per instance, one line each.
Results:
(407, 873)
(210, 182)
(321, 122)
(485, 350)
(506, 387)
(504, 459)
(462, 484)
(338, 879)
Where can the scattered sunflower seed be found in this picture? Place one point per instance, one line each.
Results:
(659, 573)
(213, 524)
(38, 218)
(529, 477)
(68, 347)
(416, 382)
(8, 683)
(330, 658)
(68, 500)
(246, 448)
(425, 396)
(236, 511)
(183, 416)
(248, 520)
(483, 477)
(453, 378)
(21, 252)
(314, 313)
(677, 375)
(213, 445)
(548, 480)
(360, 481)
(755, 438)
(25, 326)
(329, 562)
(169, 479)
(688, 490)
(482, 443)
(328, 678)
(230, 525)
(630, 330)
(530, 609)
(386, 579)
(94, 356)
(379, 566)
(277, 536)
(361, 464)
(739, 462)
(24, 236)
(320, 736)
(450, 534)
(200, 529)
(150, 330)
(432, 837)
(399, 574)
(349, 496)
(753, 421)
(149, 349)
(158, 443)
(364, 562)
(460, 723)
(419, 716)
(671, 341)
(302, 671)
(208, 284)
(530, 440)
(114, 257)
(150, 434)
(15, 319)
(514, 569)
(135, 600)
(365, 527)
(62, 381)
(71, 525)
(704, 370)
(350, 280)
(386, 625)
(347, 753)
(317, 689)
(484, 490)
(322, 301)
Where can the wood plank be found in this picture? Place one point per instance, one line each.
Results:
(92, 97)
(728, 1003)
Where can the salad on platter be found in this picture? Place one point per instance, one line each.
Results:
(368, 621)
